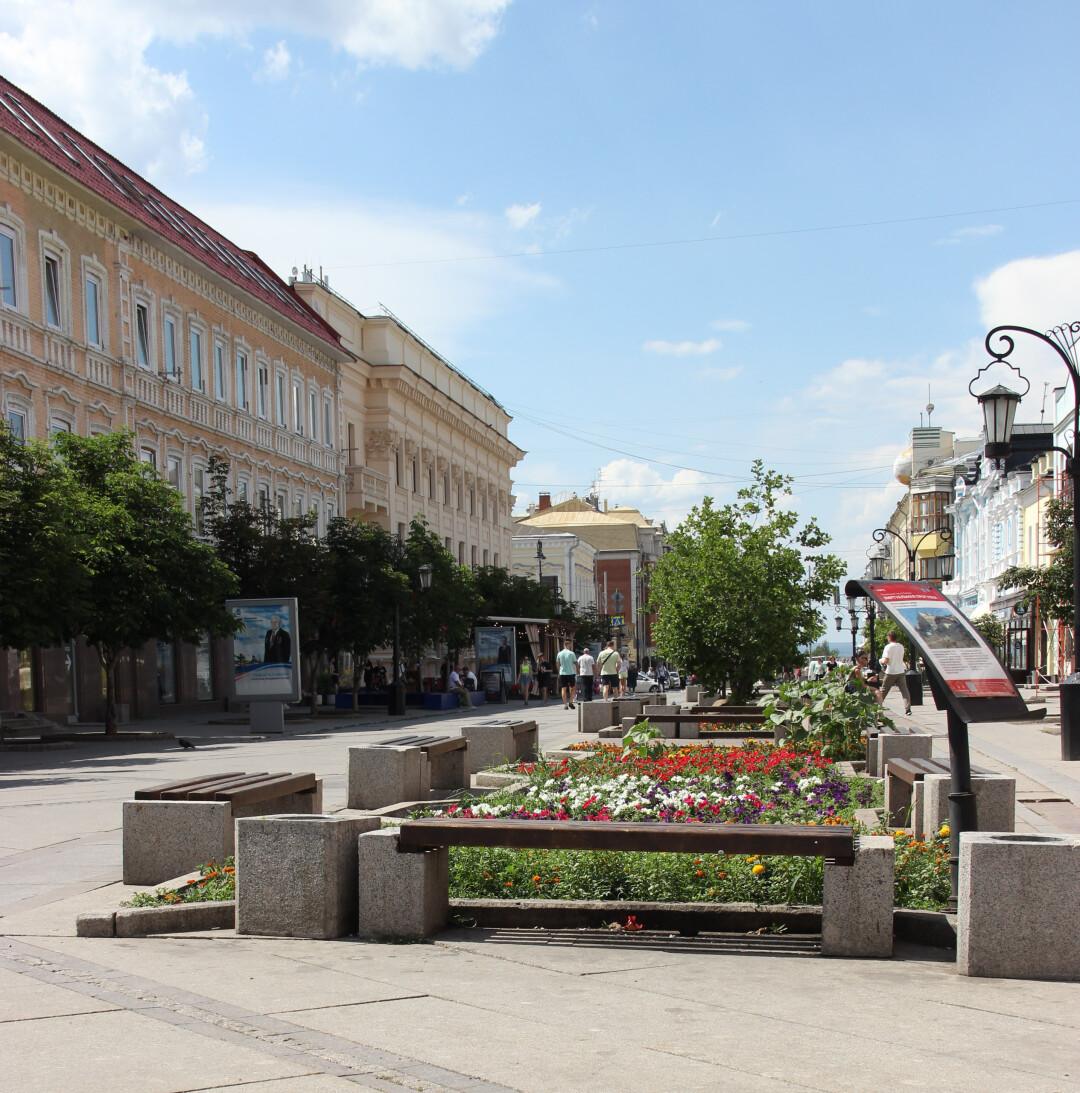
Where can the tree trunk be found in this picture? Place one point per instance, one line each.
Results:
(313, 671)
(108, 664)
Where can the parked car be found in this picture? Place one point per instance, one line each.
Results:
(674, 683)
(646, 684)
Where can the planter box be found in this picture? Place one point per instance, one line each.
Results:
(144, 921)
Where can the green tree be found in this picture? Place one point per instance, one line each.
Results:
(512, 596)
(444, 615)
(1053, 584)
(732, 595)
(146, 574)
(43, 577)
(992, 629)
(362, 588)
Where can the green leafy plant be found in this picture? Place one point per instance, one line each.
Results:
(828, 712)
(645, 740)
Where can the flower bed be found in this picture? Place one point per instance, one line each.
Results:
(756, 783)
(218, 883)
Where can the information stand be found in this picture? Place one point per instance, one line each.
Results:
(966, 678)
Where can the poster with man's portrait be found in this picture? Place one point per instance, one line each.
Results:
(496, 647)
(265, 650)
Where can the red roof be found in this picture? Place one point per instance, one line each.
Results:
(51, 138)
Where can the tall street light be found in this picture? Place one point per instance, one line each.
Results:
(879, 559)
(541, 557)
(395, 697)
(999, 405)
(944, 536)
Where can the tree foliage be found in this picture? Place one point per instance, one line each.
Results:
(1052, 584)
(42, 580)
(146, 574)
(991, 628)
(513, 596)
(732, 596)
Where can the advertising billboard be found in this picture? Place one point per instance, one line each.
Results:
(946, 639)
(265, 650)
(496, 648)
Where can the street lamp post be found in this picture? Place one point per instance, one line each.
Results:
(944, 535)
(395, 699)
(854, 615)
(999, 406)
(878, 560)
(541, 557)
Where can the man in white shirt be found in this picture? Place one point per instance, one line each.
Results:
(892, 661)
(464, 698)
(585, 667)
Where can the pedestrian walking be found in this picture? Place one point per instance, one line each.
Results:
(567, 663)
(609, 663)
(586, 667)
(543, 678)
(525, 678)
(892, 660)
(631, 677)
(624, 675)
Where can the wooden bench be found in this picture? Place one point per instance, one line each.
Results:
(835, 844)
(900, 778)
(404, 874)
(171, 828)
(694, 720)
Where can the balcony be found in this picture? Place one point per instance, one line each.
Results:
(367, 493)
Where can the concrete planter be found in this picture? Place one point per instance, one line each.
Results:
(144, 921)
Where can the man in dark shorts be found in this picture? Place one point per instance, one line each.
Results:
(608, 664)
(567, 673)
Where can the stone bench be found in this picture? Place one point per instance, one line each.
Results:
(406, 768)
(903, 783)
(901, 742)
(687, 726)
(492, 743)
(404, 874)
(175, 827)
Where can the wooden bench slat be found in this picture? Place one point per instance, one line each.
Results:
(153, 793)
(210, 793)
(276, 786)
(914, 770)
(446, 743)
(183, 794)
(835, 843)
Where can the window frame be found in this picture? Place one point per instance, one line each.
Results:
(241, 362)
(93, 276)
(196, 359)
(221, 371)
(262, 390)
(144, 339)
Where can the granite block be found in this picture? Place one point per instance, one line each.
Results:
(693, 693)
(1018, 896)
(892, 746)
(630, 707)
(493, 743)
(450, 769)
(596, 715)
(381, 776)
(995, 802)
(296, 875)
(96, 924)
(163, 839)
(857, 903)
(401, 895)
(918, 793)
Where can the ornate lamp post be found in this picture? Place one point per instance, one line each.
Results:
(879, 559)
(853, 613)
(999, 405)
(395, 696)
(944, 535)
(541, 557)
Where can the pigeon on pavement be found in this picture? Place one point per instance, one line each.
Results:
(185, 743)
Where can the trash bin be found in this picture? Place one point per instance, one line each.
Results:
(914, 686)
(1069, 693)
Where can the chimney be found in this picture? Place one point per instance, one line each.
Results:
(545, 502)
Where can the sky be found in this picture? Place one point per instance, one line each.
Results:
(670, 239)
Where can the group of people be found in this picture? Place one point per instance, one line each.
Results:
(577, 674)
(893, 671)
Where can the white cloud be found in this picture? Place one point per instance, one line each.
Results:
(519, 215)
(963, 234)
(683, 349)
(874, 310)
(590, 21)
(736, 325)
(366, 249)
(86, 59)
(719, 373)
(276, 63)
(640, 485)
(716, 219)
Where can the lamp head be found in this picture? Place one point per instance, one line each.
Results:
(999, 413)
(879, 559)
(425, 577)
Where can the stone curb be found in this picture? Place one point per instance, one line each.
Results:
(143, 921)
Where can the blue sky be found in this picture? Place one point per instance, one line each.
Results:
(401, 143)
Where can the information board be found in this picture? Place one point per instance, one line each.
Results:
(265, 650)
(946, 639)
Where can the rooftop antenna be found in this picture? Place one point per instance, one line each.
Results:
(929, 406)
